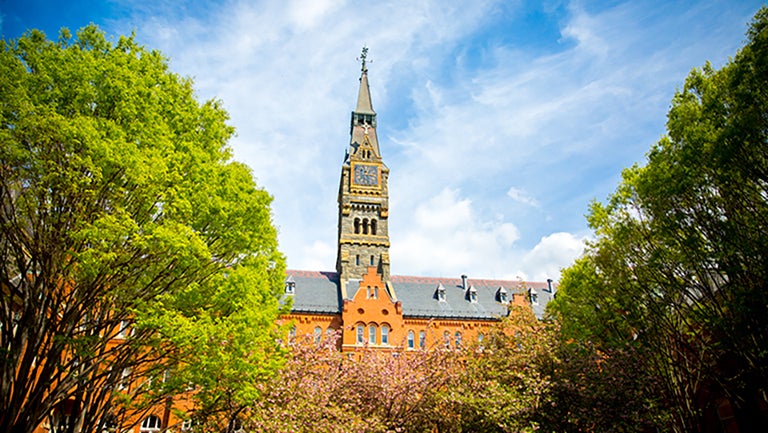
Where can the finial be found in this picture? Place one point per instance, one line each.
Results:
(363, 57)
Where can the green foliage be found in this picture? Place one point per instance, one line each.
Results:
(503, 386)
(121, 204)
(680, 251)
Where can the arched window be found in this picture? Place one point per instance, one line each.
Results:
(373, 226)
(372, 260)
(422, 339)
(458, 340)
(360, 334)
(372, 330)
(384, 335)
(357, 226)
(365, 226)
(318, 334)
(447, 339)
(151, 424)
(411, 338)
(375, 293)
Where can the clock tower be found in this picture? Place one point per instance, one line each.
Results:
(363, 195)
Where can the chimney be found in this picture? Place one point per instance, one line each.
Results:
(464, 282)
(549, 285)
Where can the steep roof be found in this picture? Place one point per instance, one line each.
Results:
(315, 292)
(364, 105)
(318, 293)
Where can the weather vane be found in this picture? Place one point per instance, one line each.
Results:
(362, 58)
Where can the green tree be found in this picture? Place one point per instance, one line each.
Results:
(132, 246)
(679, 265)
(502, 385)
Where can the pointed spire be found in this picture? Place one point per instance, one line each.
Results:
(364, 96)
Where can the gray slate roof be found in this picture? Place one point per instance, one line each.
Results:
(318, 293)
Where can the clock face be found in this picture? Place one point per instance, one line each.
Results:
(367, 175)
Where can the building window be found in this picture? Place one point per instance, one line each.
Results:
(373, 227)
(422, 339)
(372, 260)
(357, 260)
(502, 294)
(124, 376)
(186, 425)
(290, 285)
(360, 334)
(375, 293)
(357, 226)
(365, 226)
(447, 339)
(385, 335)
(458, 340)
(534, 297)
(372, 334)
(124, 330)
(318, 334)
(440, 293)
(472, 294)
(411, 340)
(292, 332)
(150, 424)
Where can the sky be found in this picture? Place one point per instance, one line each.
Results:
(500, 121)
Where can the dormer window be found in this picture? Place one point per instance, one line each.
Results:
(290, 285)
(502, 296)
(472, 294)
(440, 293)
(534, 296)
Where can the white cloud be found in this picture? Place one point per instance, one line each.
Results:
(557, 123)
(448, 236)
(315, 257)
(521, 196)
(553, 253)
(308, 13)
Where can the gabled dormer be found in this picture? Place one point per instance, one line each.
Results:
(290, 285)
(440, 293)
(471, 294)
(502, 296)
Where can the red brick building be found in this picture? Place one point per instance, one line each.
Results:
(372, 308)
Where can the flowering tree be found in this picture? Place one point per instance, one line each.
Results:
(323, 390)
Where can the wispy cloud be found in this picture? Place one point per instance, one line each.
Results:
(465, 110)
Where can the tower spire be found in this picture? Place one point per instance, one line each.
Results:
(364, 105)
(363, 194)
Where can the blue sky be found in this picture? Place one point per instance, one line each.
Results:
(499, 120)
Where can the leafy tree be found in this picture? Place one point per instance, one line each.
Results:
(679, 266)
(503, 384)
(123, 215)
